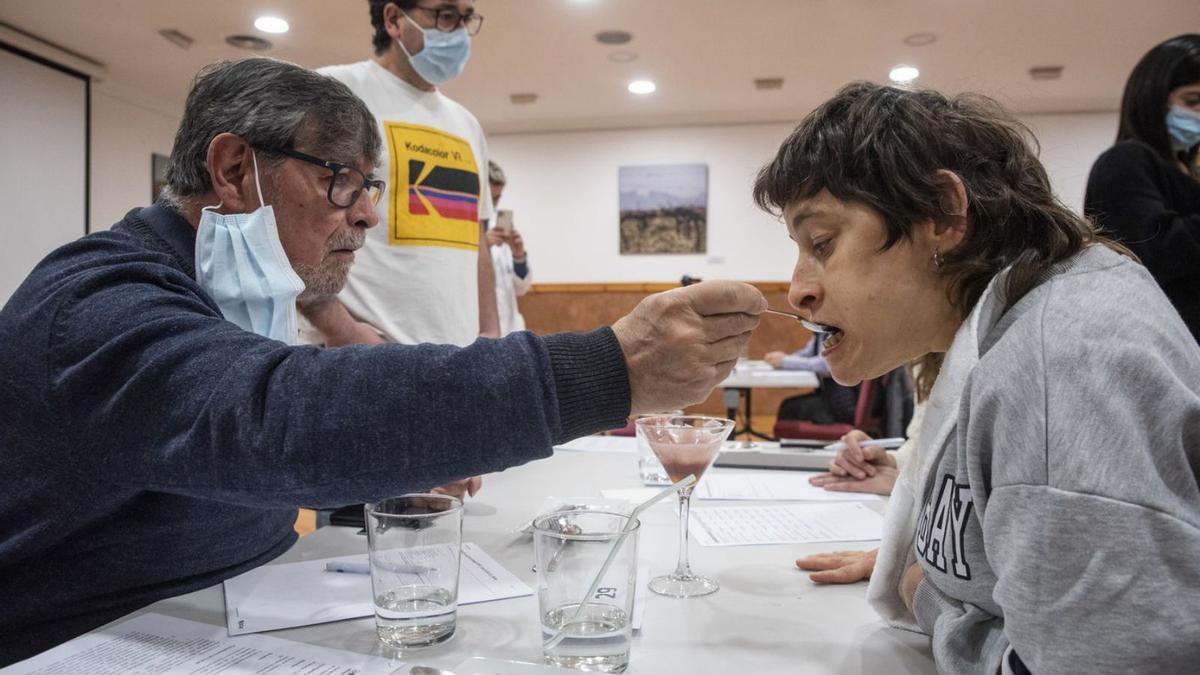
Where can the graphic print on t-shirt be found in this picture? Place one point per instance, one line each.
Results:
(941, 532)
(434, 200)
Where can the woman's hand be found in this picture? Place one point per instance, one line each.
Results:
(908, 585)
(857, 461)
(775, 359)
(839, 567)
(881, 483)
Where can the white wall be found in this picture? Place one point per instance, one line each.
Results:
(562, 188)
(125, 132)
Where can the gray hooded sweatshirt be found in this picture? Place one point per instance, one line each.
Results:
(1061, 519)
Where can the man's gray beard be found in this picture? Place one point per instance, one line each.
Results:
(322, 280)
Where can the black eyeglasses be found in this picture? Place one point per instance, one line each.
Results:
(448, 20)
(346, 183)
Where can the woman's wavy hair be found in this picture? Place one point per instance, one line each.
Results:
(883, 147)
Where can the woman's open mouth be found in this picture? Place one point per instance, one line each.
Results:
(833, 338)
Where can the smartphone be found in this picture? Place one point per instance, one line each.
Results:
(504, 219)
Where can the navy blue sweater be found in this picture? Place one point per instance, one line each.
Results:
(150, 448)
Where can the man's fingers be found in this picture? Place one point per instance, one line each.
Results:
(728, 349)
(473, 485)
(725, 297)
(721, 326)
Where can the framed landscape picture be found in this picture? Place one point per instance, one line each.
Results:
(664, 208)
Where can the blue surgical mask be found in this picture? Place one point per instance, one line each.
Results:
(241, 263)
(444, 55)
(1183, 125)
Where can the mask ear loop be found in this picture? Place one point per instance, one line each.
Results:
(257, 184)
(257, 188)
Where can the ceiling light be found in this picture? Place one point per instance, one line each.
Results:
(920, 39)
(271, 24)
(523, 98)
(251, 42)
(177, 38)
(768, 83)
(642, 87)
(903, 74)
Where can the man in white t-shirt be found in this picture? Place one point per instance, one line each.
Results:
(509, 259)
(425, 276)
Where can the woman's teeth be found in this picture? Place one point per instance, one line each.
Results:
(832, 338)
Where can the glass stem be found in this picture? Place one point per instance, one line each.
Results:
(683, 569)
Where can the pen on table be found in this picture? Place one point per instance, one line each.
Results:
(885, 443)
(364, 568)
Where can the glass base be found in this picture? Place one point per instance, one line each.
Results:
(678, 586)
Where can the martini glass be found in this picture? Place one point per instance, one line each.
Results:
(686, 445)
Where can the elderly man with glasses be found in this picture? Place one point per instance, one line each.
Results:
(157, 429)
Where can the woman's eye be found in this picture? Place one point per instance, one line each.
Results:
(821, 247)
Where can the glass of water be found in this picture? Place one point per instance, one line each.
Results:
(570, 548)
(413, 547)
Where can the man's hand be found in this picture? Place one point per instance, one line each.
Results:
(460, 488)
(881, 483)
(775, 359)
(680, 344)
(329, 316)
(495, 236)
(839, 567)
(857, 461)
(516, 243)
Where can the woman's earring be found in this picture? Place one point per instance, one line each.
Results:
(938, 260)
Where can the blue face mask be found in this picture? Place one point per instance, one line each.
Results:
(241, 263)
(1183, 125)
(444, 55)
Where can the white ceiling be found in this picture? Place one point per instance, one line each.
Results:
(703, 54)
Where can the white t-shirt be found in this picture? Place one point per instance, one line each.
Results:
(417, 278)
(508, 287)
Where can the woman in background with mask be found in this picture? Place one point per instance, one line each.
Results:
(1145, 190)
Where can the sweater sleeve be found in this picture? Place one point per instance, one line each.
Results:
(156, 391)
(1126, 193)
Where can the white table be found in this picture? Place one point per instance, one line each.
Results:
(767, 617)
(750, 375)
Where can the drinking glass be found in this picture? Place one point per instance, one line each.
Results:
(414, 542)
(570, 548)
(686, 445)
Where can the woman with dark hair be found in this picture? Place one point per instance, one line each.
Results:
(1146, 188)
(1051, 517)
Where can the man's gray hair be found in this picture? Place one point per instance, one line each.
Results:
(273, 105)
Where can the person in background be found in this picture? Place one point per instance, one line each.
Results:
(1053, 506)
(509, 259)
(831, 403)
(158, 425)
(1146, 188)
(424, 277)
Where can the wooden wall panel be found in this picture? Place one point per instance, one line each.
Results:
(553, 308)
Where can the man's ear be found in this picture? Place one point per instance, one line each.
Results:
(232, 174)
(951, 227)
(401, 28)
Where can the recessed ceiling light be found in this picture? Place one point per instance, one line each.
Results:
(251, 42)
(177, 38)
(768, 83)
(613, 37)
(523, 98)
(271, 24)
(622, 57)
(903, 74)
(642, 87)
(920, 39)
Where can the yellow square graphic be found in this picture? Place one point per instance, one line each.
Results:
(434, 198)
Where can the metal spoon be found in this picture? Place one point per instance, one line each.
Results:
(810, 325)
